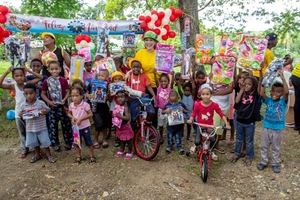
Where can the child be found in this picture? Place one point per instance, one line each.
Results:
(101, 115)
(273, 123)
(187, 100)
(80, 113)
(204, 110)
(121, 119)
(55, 92)
(199, 79)
(36, 66)
(34, 111)
(162, 97)
(177, 129)
(88, 73)
(177, 85)
(247, 113)
(18, 75)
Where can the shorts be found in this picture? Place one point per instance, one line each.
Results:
(38, 139)
(162, 119)
(219, 122)
(85, 134)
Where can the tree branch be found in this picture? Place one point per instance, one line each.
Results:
(209, 2)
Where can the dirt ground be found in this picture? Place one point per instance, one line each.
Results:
(167, 177)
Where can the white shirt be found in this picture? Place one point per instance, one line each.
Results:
(20, 98)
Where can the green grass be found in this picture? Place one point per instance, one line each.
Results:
(3, 66)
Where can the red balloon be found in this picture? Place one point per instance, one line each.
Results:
(157, 31)
(153, 12)
(2, 19)
(143, 25)
(167, 27)
(1, 40)
(173, 18)
(173, 10)
(142, 18)
(171, 34)
(147, 19)
(4, 10)
(157, 23)
(164, 37)
(160, 15)
(178, 13)
(6, 33)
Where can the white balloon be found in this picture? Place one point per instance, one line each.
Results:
(154, 18)
(165, 21)
(151, 25)
(168, 13)
(148, 13)
(160, 9)
(163, 31)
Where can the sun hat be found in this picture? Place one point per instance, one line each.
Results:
(151, 35)
(45, 34)
(117, 73)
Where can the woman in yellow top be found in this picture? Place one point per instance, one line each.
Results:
(296, 83)
(146, 56)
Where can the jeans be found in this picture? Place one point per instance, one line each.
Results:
(296, 83)
(175, 131)
(245, 132)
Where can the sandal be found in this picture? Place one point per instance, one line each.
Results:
(220, 150)
(92, 160)
(96, 145)
(24, 154)
(35, 158)
(51, 159)
(128, 156)
(78, 160)
(104, 145)
(234, 158)
(119, 154)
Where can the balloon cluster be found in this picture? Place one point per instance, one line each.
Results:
(158, 21)
(3, 32)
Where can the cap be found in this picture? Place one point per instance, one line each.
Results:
(117, 73)
(271, 37)
(45, 34)
(150, 34)
(205, 86)
(132, 60)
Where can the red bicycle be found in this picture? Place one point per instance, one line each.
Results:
(204, 153)
(147, 139)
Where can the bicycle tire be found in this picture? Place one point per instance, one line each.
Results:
(204, 168)
(140, 146)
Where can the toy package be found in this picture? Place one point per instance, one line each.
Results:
(186, 70)
(251, 52)
(76, 68)
(223, 70)
(76, 136)
(271, 73)
(98, 91)
(176, 117)
(31, 113)
(117, 122)
(115, 87)
(165, 55)
(106, 63)
(129, 39)
(204, 48)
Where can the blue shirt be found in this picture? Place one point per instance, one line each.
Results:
(275, 114)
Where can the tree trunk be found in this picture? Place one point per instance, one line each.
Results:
(190, 9)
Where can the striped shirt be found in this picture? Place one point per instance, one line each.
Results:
(34, 121)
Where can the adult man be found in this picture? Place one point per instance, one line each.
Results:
(62, 56)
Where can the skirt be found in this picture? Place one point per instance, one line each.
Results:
(125, 132)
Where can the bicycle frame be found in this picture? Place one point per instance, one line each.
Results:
(143, 118)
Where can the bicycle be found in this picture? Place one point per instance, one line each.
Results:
(204, 153)
(147, 139)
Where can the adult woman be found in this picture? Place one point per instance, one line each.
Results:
(296, 83)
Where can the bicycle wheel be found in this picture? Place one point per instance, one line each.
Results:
(147, 148)
(204, 168)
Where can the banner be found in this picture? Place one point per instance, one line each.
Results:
(37, 24)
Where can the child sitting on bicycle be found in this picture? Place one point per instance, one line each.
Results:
(203, 112)
(174, 111)
(121, 120)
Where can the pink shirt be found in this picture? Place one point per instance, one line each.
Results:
(205, 114)
(162, 97)
(81, 111)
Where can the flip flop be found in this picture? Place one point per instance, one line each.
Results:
(119, 154)
(128, 156)
(35, 158)
(96, 145)
(104, 145)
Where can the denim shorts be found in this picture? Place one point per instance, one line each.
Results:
(85, 134)
(35, 139)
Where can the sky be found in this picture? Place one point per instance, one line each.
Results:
(252, 23)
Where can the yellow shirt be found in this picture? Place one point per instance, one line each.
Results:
(296, 70)
(269, 57)
(147, 59)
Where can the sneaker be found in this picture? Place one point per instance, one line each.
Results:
(214, 156)
(276, 169)
(261, 166)
(181, 151)
(168, 150)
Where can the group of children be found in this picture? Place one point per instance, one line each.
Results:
(42, 102)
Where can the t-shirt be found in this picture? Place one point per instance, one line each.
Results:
(56, 88)
(88, 77)
(178, 90)
(38, 84)
(81, 111)
(223, 101)
(189, 104)
(296, 70)
(19, 98)
(275, 114)
(205, 114)
(35, 124)
(162, 96)
(269, 57)
(139, 82)
(147, 60)
(247, 110)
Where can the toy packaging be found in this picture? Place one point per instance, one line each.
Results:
(223, 70)
(106, 63)
(98, 91)
(115, 87)
(176, 117)
(165, 55)
(117, 122)
(129, 39)
(76, 68)
(76, 136)
(204, 48)
(271, 73)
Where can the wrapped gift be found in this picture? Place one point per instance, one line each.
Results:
(251, 52)
(98, 91)
(223, 70)
(165, 55)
